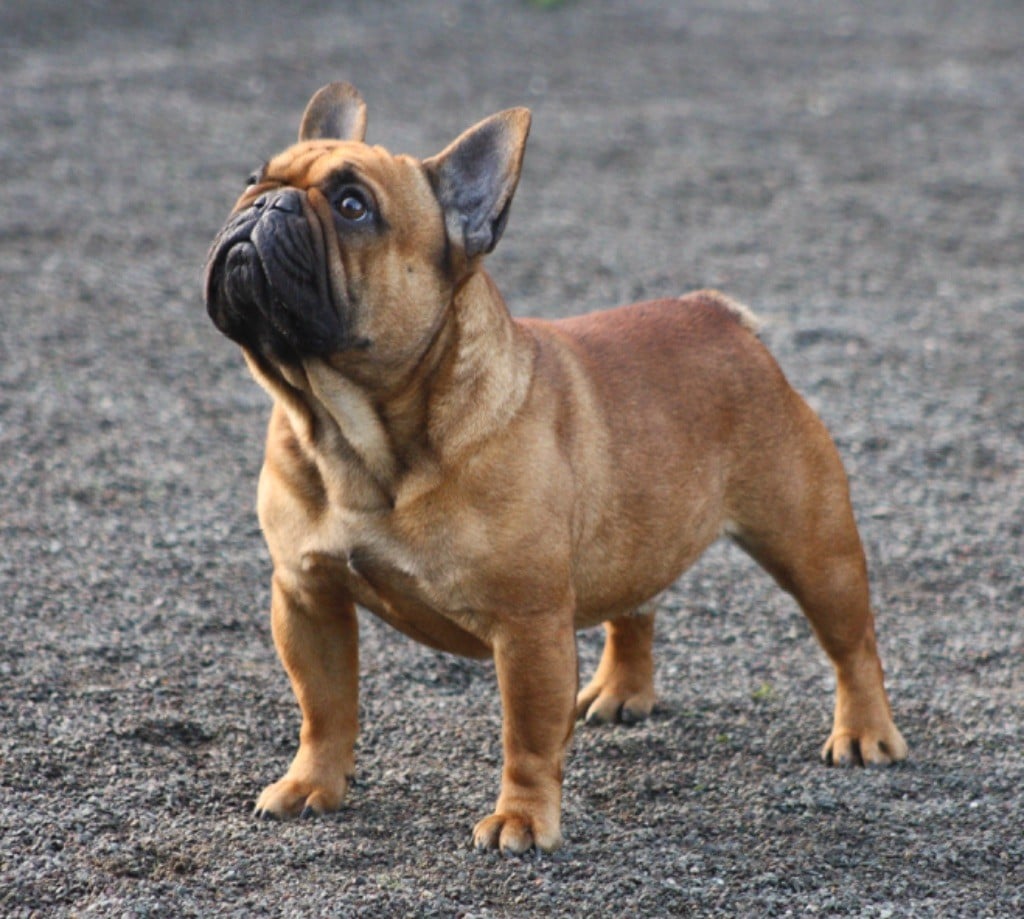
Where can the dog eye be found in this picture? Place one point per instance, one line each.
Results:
(352, 205)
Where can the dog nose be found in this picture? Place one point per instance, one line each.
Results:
(285, 199)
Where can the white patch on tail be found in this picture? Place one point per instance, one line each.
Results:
(745, 316)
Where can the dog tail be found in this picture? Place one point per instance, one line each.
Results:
(744, 315)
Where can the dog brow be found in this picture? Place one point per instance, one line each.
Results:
(301, 163)
(346, 175)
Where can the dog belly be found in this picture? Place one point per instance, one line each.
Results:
(606, 590)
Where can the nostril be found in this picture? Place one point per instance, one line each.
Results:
(260, 202)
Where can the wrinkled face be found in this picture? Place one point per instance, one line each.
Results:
(336, 250)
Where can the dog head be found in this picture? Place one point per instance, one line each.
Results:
(341, 251)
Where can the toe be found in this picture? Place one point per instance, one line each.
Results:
(516, 837)
(635, 710)
(841, 750)
(487, 833)
(604, 710)
(883, 752)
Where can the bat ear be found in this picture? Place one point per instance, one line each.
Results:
(336, 112)
(475, 178)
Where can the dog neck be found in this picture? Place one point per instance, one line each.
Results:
(486, 375)
(472, 378)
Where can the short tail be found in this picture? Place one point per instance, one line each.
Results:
(742, 314)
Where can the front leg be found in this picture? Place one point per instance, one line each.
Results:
(536, 667)
(317, 637)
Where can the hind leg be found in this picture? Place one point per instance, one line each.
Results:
(834, 597)
(801, 529)
(622, 688)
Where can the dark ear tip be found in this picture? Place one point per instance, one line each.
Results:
(339, 89)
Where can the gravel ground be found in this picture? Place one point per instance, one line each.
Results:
(853, 171)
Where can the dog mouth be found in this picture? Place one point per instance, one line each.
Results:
(267, 287)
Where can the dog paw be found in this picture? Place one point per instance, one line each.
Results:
(864, 748)
(600, 705)
(514, 834)
(291, 797)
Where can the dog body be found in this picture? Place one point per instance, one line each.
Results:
(487, 485)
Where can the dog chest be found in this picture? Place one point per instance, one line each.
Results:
(383, 577)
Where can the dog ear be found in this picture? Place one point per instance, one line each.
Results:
(475, 178)
(336, 112)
